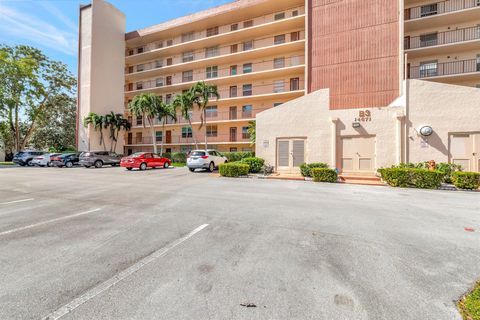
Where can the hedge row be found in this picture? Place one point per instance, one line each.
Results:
(410, 177)
(447, 168)
(306, 169)
(237, 156)
(466, 180)
(324, 175)
(255, 164)
(180, 157)
(233, 169)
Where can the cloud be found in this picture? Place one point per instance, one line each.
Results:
(36, 30)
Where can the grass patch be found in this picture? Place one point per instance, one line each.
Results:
(6, 163)
(469, 305)
(178, 164)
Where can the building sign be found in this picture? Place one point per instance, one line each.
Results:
(266, 143)
(364, 116)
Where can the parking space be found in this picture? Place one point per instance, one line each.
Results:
(169, 244)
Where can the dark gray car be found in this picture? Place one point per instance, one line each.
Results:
(24, 158)
(98, 159)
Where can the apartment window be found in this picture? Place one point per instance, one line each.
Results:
(130, 138)
(158, 63)
(427, 40)
(212, 31)
(168, 98)
(211, 111)
(428, 69)
(130, 119)
(158, 136)
(233, 91)
(159, 44)
(295, 36)
(478, 61)
(212, 72)
(248, 24)
(245, 134)
(169, 80)
(188, 56)
(279, 63)
(279, 39)
(212, 131)
(278, 86)
(247, 90)
(130, 69)
(248, 45)
(247, 111)
(169, 61)
(159, 82)
(131, 52)
(140, 50)
(478, 84)
(211, 52)
(280, 16)
(234, 48)
(189, 36)
(429, 10)
(233, 70)
(140, 67)
(234, 27)
(276, 104)
(294, 84)
(233, 149)
(187, 76)
(247, 68)
(138, 137)
(295, 61)
(169, 43)
(294, 13)
(139, 121)
(139, 85)
(187, 132)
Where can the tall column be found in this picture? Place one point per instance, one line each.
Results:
(399, 116)
(333, 141)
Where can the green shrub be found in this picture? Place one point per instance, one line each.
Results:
(324, 175)
(412, 177)
(254, 163)
(179, 157)
(306, 169)
(233, 169)
(237, 156)
(466, 180)
(448, 169)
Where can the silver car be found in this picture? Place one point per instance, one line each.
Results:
(44, 160)
(205, 159)
(98, 159)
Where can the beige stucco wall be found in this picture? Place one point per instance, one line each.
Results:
(102, 54)
(447, 108)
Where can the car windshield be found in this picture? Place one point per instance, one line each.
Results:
(136, 154)
(85, 154)
(20, 153)
(197, 153)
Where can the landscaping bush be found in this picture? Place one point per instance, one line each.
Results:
(254, 163)
(448, 169)
(324, 175)
(237, 156)
(466, 180)
(233, 169)
(179, 157)
(412, 177)
(306, 169)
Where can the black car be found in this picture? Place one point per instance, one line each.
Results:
(65, 160)
(24, 158)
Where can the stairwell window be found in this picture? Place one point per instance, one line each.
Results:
(279, 39)
(212, 72)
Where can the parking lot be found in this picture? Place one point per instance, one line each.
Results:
(168, 244)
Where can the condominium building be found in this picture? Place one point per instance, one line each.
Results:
(269, 57)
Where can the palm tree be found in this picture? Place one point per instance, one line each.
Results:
(122, 124)
(97, 122)
(203, 92)
(111, 121)
(185, 102)
(165, 111)
(146, 105)
(252, 131)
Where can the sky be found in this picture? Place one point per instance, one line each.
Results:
(52, 25)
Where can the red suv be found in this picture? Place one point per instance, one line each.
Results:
(144, 160)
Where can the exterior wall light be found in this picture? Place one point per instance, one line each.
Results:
(356, 125)
(426, 131)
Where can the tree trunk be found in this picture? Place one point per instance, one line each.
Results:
(193, 135)
(116, 140)
(17, 131)
(154, 140)
(205, 117)
(163, 136)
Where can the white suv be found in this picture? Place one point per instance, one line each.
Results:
(201, 159)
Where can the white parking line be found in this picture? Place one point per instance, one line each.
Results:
(75, 303)
(48, 221)
(16, 201)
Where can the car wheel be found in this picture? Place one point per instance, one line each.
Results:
(29, 163)
(69, 164)
(191, 169)
(49, 164)
(129, 169)
(98, 164)
(166, 165)
(87, 167)
(211, 167)
(143, 166)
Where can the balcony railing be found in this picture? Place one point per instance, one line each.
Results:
(441, 38)
(199, 137)
(439, 8)
(445, 69)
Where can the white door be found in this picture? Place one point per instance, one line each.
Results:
(290, 155)
(357, 154)
(465, 150)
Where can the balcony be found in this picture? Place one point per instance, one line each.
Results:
(441, 13)
(462, 70)
(443, 42)
(234, 137)
(262, 29)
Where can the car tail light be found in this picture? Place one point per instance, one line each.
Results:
(204, 157)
